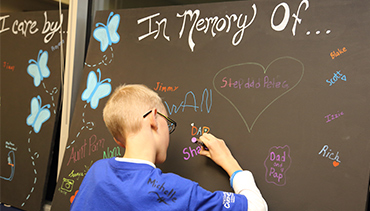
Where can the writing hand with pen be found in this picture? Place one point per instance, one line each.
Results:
(217, 150)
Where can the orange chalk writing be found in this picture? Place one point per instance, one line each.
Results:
(162, 88)
(8, 67)
(338, 52)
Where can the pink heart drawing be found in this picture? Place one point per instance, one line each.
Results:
(246, 86)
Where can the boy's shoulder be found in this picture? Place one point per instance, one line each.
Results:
(100, 163)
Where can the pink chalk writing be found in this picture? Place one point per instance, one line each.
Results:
(277, 164)
(331, 117)
(190, 152)
(92, 146)
(252, 83)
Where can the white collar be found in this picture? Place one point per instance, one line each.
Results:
(133, 160)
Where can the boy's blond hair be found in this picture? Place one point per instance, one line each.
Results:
(125, 108)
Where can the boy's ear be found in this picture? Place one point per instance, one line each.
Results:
(153, 119)
(119, 143)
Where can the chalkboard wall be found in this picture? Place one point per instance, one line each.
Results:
(30, 90)
(285, 84)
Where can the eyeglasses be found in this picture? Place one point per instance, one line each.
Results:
(171, 123)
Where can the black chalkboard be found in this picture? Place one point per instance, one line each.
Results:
(30, 91)
(283, 83)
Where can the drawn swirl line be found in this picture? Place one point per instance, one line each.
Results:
(88, 125)
(103, 61)
(33, 156)
(51, 93)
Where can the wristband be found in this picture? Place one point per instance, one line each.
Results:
(232, 177)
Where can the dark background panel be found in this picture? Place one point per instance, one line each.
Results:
(32, 151)
(291, 124)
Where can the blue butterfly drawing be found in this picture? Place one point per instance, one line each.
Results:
(96, 89)
(39, 69)
(107, 34)
(38, 115)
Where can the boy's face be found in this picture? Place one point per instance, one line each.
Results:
(165, 138)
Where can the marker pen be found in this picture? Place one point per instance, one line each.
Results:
(196, 141)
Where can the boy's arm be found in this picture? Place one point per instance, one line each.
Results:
(219, 153)
(241, 181)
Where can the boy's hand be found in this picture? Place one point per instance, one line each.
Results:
(219, 153)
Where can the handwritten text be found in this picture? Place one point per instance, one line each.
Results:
(193, 22)
(337, 75)
(162, 88)
(93, 145)
(25, 27)
(277, 163)
(337, 53)
(8, 67)
(327, 153)
(331, 117)
(206, 99)
(251, 83)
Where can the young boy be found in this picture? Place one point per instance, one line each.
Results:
(137, 119)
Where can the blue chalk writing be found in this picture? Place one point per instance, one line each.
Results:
(206, 100)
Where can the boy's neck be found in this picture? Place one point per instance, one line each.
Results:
(133, 160)
(140, 147)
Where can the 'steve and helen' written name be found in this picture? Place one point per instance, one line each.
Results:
(215, 24)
